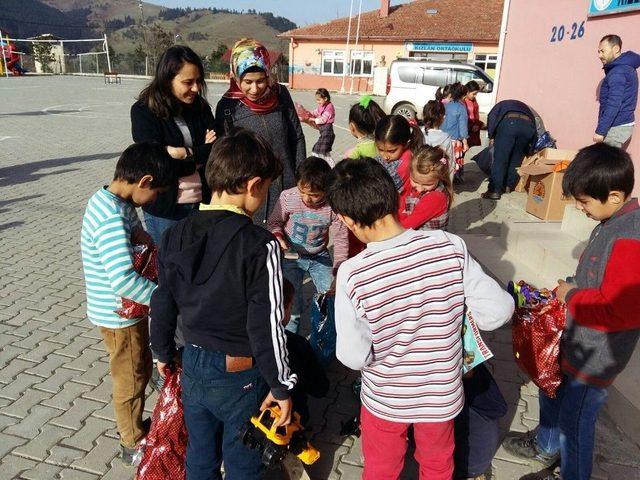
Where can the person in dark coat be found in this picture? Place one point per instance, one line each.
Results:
(512, 129)
(256, 102)
(173, 111)
(618, 92)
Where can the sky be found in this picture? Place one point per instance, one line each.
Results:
(302, 12)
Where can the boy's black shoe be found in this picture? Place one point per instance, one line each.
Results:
(526, 447)
(543, 475)
(491, 195)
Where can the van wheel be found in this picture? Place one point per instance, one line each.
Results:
(406, 110)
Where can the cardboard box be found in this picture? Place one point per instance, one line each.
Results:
(546, 154)
(545, 199)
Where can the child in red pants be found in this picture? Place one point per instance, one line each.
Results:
(399, 312)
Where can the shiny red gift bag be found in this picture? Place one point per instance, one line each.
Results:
(537, 332)
(165, 446)
(145, 262)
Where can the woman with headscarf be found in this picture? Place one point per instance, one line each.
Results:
(257, 102)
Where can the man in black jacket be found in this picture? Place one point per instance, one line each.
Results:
(222, 274)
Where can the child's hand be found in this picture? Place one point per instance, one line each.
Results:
(161, 368)
(178, 153)
(210, 136)
(563, 289)
(139, 235)
(283, 243)
(285, 408)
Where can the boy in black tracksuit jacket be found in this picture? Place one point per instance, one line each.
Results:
(222, 274)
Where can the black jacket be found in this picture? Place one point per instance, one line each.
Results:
(145, 125)
(500, 109)
(280, 128)
(312, 379)
(222, 274)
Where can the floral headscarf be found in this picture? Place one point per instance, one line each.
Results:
(249, 53)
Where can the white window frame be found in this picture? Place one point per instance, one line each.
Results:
(333, 56)
(489, 58)
(361, 55)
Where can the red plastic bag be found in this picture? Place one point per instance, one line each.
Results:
(537, 331)
(145, 262)
(165, 446)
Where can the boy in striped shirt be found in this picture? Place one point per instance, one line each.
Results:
(302, 221)
(399, 311)
(109, 228)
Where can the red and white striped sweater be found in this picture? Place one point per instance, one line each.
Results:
(399, 311)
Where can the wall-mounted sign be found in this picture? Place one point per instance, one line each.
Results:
(438, 47)
(609, 7)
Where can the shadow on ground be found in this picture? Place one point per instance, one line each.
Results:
(28, 172)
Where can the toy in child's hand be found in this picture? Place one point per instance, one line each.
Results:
(275, 442)
(303, 113)
(144, 263)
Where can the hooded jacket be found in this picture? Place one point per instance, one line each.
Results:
(222, 274)
(618, 92)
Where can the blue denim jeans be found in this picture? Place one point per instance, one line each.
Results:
(319, 267)
(216, 405)
(568, 423)
(156, 226)
(513, 137)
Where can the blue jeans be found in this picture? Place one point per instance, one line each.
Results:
(216, 406)
(568, 423)
(513, 137)
(156, 226)
(319, 268)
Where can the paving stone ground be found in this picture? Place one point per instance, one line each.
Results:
(59, 140)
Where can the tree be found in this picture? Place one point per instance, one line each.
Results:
(43, 54)
(216, 64)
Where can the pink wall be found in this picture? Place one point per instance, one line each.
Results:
(560, 79)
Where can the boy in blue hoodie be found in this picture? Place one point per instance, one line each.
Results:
(222, 274)
(618, 92)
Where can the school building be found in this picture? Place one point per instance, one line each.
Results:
(345, 54)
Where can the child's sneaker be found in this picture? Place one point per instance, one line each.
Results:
(543, 475)
(127, 455)
(526, 447)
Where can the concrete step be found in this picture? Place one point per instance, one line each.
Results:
(576, 224)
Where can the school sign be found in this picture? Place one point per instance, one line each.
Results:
(610, 7)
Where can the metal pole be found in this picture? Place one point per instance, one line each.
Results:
(144, 39)
(106, 49)
(503, 36)
(4, 59)
(80, 57)
(97, 57)
(346, 51)
(355, 46)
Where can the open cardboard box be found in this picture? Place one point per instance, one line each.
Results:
(544, 155)
(545, 199)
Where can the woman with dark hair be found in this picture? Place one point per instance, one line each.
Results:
(473, 111)
(173, 111)
(258, 103)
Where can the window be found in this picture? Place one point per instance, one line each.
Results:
(464, 76)
(486, 62)
(362, 63)
(332, 62)
(434, 77)
(409, 74)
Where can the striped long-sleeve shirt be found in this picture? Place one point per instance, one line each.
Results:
(307, 229)
(107, 259)
(399, 311)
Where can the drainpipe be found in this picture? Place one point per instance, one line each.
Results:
(346, 51)
(503, 36)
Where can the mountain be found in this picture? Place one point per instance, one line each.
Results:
(201, 29)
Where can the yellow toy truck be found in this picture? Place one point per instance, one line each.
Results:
(275, 442)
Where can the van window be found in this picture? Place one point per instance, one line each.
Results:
(434, 77)
(409, 73)
(464, 76)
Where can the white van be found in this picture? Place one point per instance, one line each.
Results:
(412, 82)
